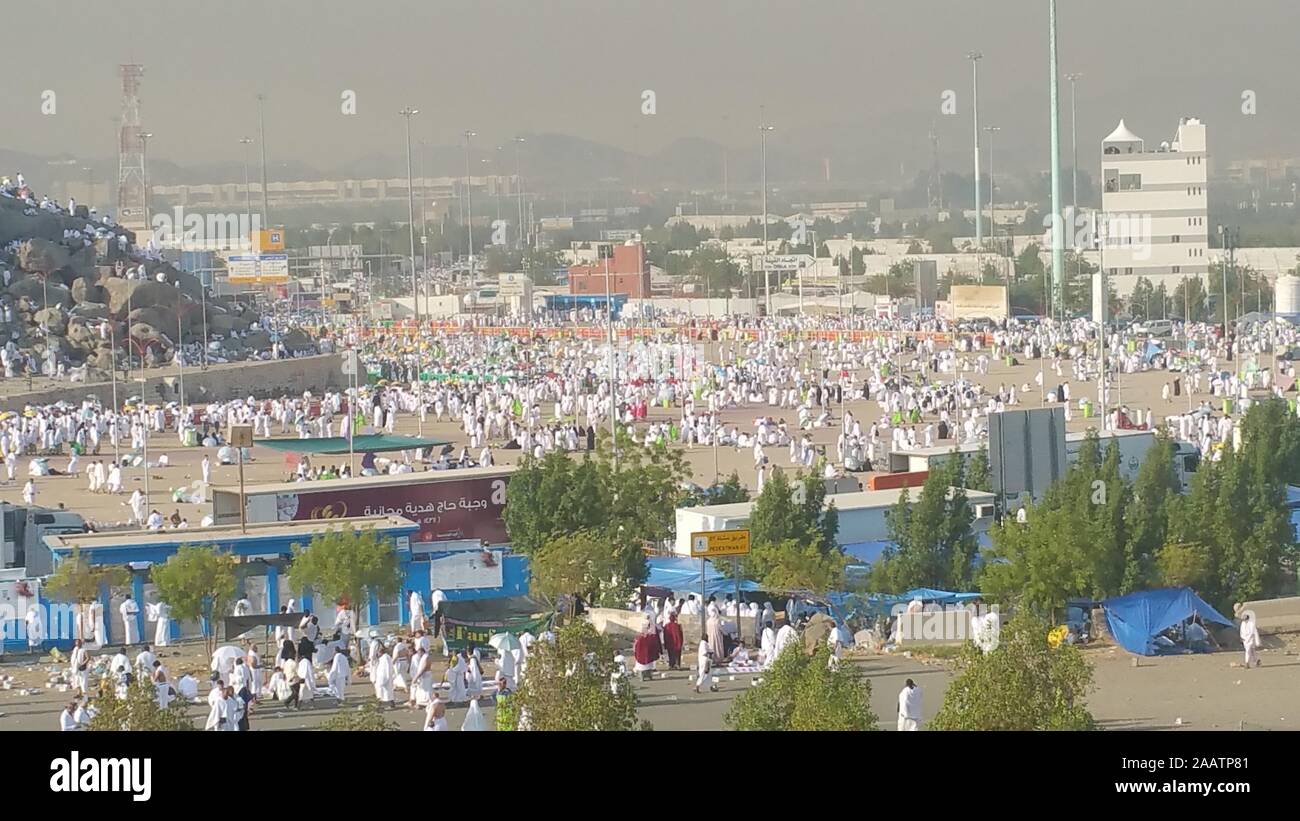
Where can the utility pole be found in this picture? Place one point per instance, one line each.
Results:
(144, 154)
(469, 211)
(974, 58)
(248, 191)
(261, 138)
(767, 282)
(1058, 230)
(407, 113)
(519, 185)
(993, 221)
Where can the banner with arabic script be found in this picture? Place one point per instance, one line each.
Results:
(448, 509)
(460, 634)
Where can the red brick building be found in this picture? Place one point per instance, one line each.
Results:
(629, 273)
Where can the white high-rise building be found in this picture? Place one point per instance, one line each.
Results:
(1154, 217)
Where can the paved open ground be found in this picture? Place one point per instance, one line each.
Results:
(1139, 391)
(1201, 692)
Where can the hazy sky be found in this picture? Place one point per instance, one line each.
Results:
(829, 72)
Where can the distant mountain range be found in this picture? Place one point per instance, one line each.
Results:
(857, 163)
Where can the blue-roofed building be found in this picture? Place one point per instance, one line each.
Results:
(463, 570)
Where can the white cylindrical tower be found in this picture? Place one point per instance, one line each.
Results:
(1287, 294)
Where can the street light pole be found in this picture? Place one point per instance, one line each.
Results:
(261, 139)
(519, 193)
(1074, 154)
(248, 191)
(993, 220)
(763, 130)
(408, 113)
(144, 157)
(469, 210)
(974, 58)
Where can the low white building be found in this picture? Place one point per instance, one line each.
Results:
(861, 516)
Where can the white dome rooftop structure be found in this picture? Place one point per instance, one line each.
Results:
(1122, 141)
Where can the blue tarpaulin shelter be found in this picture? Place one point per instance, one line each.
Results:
(1136, 619)
(1152, 350)
(682, 574)
(869, 552)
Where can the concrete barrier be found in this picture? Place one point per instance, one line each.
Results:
(623, 626)
(1275, 615)
(275, 377)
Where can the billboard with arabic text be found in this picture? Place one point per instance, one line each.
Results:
(451, 509)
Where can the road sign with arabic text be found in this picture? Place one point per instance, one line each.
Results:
(708, 543)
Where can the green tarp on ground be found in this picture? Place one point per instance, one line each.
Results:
(333, 445)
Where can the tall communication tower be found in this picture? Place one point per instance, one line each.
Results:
(131, 192)
(934, 186)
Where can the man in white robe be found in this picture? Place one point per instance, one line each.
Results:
(506, 666)
(1250, 641)
(909, 707)
(783, 637)
(130, 627)
(308, 675)
(436, 600)
(381, 675)
(767, 645)
(416, 604)
(35, 629)
(216, 707)
(704, 667)
(162, 632)
(339, 675)
(144, 663)
(98, 630)
(78, 668)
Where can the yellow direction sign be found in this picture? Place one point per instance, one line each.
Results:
(719, 543)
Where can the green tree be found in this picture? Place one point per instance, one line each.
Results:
(977, 472)
(801, 692)
(1029, 265)
(933, 544)
(559, 495)
(1139, 300)
(1184, 565)
(787, 518)
(856, 261)
(726, 492)
(345, 565)
(1023, 684)
(586, 563)
(1147, 516)
(139, 711)
(1074, 542)
(554, 495)
(77, 580)
(1236, 513)
(198, 581)
(794, 566)
(568, 686)
(1190, 300)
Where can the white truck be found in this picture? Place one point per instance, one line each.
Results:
(22, 536)
(1133, 448)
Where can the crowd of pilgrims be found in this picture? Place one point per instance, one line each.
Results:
(311, 662)
(540, 395)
